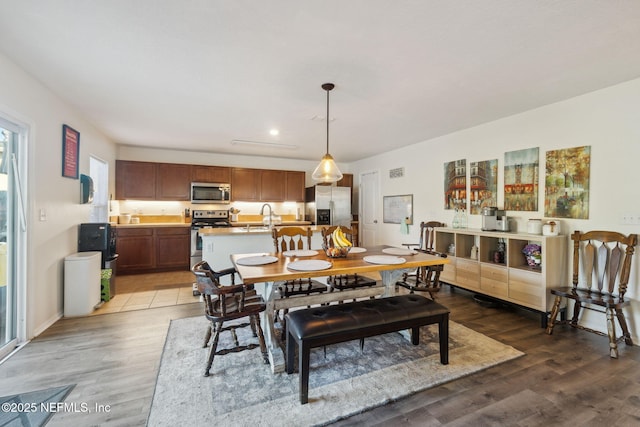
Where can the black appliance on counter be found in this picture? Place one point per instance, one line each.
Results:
(100, 237)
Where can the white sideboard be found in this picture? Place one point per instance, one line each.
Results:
(513, 280)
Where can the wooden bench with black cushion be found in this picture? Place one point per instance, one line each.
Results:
(332, 324)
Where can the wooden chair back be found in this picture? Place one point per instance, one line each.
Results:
(605, 258)
(291, 238)
(351, 233)
(221, 302)
(228, 302)
(428, 235)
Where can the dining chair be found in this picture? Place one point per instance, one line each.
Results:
(344, 281)
(223, 303)
(292, 239)
(425, 279)
(605, 258)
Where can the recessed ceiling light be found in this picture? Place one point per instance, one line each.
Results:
(274, 132)
(264, 144)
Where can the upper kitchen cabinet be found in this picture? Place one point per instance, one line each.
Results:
(173, 181)
(152, 181)
(272, 185)
(215, 174)
(135, 180)
(245, 184)
(294, 191)
(346, 181)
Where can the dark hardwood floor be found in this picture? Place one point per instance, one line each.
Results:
(564, 379)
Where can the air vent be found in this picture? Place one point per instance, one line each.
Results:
(396, 173)
(264, 144)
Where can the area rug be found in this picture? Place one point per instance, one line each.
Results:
(242, 391)
(32, 409)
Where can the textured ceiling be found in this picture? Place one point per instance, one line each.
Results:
(197, 74)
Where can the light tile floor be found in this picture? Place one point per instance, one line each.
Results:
(142, 291)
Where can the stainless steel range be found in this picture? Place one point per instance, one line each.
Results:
(205, 219)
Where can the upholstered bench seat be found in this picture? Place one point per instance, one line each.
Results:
(332, 324)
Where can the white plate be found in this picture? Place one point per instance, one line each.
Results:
(398, 251)
(384, 259)
(357, 250)
(309, 265)
(300, 252)
(257, 260)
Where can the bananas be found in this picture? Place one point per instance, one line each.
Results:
(340, 240)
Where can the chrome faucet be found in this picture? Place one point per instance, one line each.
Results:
(270, 212)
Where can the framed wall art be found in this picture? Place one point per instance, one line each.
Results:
(70, 152)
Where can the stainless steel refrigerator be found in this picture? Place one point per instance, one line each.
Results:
(328, 205)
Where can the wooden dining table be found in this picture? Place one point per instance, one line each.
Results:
(266, 276)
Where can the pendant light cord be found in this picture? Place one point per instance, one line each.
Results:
(328, 120)
(328, 87)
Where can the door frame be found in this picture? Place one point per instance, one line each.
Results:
(20, 254)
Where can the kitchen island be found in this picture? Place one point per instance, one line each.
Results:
(218, 244)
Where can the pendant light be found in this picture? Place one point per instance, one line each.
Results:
(327, 170)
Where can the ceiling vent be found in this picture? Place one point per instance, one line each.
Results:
(396, 173)
(264, 144)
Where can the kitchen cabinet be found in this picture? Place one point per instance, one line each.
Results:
(135, 249)
(272, 185)
(172, 246)
(215, 174)
(346, 181)
(294, 191)
(150, 249)
(508, 277)
(135, 180)
(173, 181)
(281, 186)
(245, 184)
(152, 181)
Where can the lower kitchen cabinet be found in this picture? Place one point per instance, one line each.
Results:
(172, 247)
(475, 266)
(151, 249)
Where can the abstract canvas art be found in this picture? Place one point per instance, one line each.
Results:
(484, 185)
(521, 180)
(567, 183)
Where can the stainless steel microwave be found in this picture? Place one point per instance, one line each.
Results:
(206, 192)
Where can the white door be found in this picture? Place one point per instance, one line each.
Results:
(369, 202)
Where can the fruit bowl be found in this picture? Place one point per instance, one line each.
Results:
(336, 251)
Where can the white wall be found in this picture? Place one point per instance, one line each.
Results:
(607, 120)
(25, 99)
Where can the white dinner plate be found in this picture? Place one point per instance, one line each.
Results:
(357, 250)
(384, 259)
(257, 260)
(309, 265)
(300, 252)
(398, 251)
